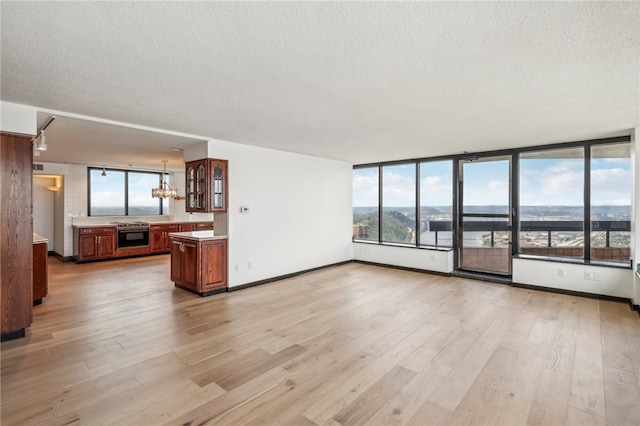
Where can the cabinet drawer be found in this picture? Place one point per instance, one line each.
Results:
(205, 226)
(97, 230)
(169, 228)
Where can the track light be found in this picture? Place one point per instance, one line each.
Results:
(104, 172)
(42, 142)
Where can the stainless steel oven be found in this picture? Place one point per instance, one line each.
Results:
(134, 234)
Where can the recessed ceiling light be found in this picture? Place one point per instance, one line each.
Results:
(173, 148)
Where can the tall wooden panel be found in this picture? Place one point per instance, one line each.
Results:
(16, 235)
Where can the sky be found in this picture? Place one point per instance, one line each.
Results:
(542, 182)
(108, 191)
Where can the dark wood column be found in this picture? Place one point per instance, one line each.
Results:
(16, 235)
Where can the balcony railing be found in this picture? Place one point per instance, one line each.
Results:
(547, 226)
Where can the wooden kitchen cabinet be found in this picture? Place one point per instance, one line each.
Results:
(199, 264)
(95, 243)
(218, 170)
(16, 235)
(159, 237)
(40, 276)
(188, 227)
(196, 193)
(184, 255)
(206, 185)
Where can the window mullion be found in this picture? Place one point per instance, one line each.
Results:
(587, 203)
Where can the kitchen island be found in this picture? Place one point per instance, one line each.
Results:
(199, 261)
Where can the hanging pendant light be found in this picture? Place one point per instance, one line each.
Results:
(164, 190)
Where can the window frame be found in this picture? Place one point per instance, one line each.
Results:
(515, 192)
(126, 191)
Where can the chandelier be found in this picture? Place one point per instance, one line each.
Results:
(164, 190)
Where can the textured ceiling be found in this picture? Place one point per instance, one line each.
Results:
(356, 81)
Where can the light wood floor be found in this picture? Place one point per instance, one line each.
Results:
(116, 343)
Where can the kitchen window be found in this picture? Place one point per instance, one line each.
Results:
(115, 192)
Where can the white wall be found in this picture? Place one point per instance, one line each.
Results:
(425, 259)
(16, 118)
(299, 211)
(44, 209)
(584, 278)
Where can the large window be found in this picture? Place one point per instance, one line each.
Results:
(436, 203)
(571, 201)
(365, 203)
(552, 202)
(611, 203)
(124, 193)
(399, 203)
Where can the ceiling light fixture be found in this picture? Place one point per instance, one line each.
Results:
(164, 190)
(40, 142)
(104, 172)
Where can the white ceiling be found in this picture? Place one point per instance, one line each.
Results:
(355, 81)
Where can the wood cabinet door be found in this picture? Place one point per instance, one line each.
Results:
(106, 245)
(40, 281)
(214, 264)
(176, 262)
(218, 185)
(196, 185)
(87, 247)
(157, 241)
(190, 265)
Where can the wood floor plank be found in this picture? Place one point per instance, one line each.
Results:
(551, 403)
(350, 344)
(363, 408)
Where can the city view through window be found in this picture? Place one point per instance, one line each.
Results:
(124, 193)
(551, 209)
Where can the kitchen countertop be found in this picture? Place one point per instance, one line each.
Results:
(37, 238)
(198, 235)
(164, 222)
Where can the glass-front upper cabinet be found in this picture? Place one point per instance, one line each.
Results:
(206, 185)
(219, 185)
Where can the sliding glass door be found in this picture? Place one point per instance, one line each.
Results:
(484, 223)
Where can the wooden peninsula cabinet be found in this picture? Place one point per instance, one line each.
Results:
(94, 243)
(206, 185)
(199, 262)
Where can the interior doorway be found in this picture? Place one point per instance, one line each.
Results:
(48, 209)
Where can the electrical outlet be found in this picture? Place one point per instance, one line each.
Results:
(560, 272)
(587, 276)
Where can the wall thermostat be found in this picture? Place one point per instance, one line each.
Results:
(244, 209)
